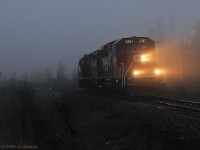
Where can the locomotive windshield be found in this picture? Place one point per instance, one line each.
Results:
(140, 47)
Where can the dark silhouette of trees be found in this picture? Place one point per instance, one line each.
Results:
(25, 95)
(64, 107)
(195, 42)
(49, 75)
(61, 74)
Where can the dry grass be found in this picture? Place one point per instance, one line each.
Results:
(94, 121)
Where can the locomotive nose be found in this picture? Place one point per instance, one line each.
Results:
(147, 72)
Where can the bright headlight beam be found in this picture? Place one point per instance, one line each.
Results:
(135, 72)
(157, 72)
(145, 58)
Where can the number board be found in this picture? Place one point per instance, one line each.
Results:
(131, 41)
(142, 40)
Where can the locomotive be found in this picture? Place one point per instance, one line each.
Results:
(127, 62)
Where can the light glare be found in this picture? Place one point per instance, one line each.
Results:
(157, 72)
(135, 72)
(145, 58)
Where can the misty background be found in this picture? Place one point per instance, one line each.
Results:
(36, 35)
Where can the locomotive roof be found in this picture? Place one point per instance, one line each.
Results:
(95, 53)
(108, 46)
(130, 38)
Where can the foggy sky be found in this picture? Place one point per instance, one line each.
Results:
(36, 34)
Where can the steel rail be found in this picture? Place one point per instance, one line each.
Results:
(154, 100)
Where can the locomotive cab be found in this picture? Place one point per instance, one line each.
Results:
(140, 63)
(145, 69)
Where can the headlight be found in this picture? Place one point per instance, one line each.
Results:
(158, 71)
(145, 58)
(136, 72)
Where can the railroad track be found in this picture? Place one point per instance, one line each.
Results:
(179, 103)
(154, 100)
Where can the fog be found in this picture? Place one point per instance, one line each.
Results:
(180, 56)
(37, 34)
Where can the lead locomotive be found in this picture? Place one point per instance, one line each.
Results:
(122, 63)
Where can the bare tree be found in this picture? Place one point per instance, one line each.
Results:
(64, 107)
(49, 75)
(195, 40)
(169, 50)
(61, 75)
(172, 30)
(157, 31)
(25, 94)
(195, 49)
(75, 77)
(38, 76)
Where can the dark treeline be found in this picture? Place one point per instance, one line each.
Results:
(60, 75)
